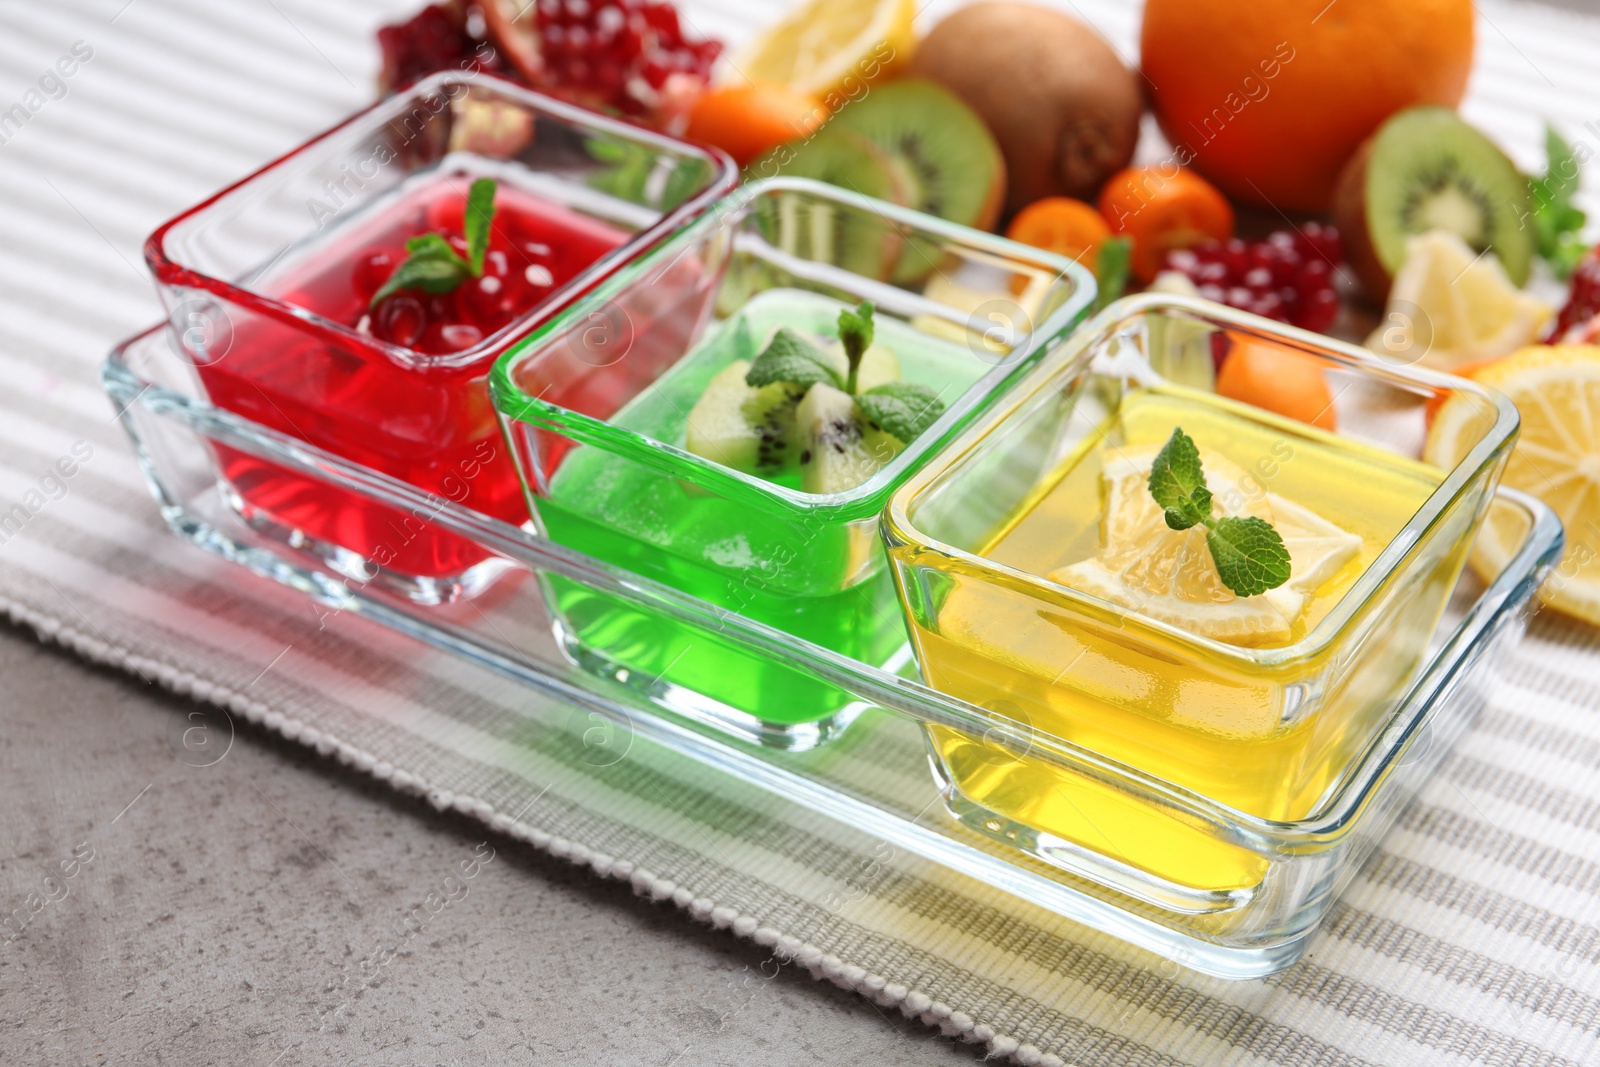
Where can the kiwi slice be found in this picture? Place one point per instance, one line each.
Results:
(749, 429)
(857, 239)
(1426, 169)
(767, 430)
(839, 450)
(955, 165)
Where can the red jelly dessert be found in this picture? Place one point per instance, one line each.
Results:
(415, 407)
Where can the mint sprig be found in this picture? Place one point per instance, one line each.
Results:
(432, 265)
(478, 221)
(1556, 219)
(904, 409)
(855, 333)
(1249, 555)
(789, 357)
(1111, 268)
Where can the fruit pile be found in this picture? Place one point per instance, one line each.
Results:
(1010, 114)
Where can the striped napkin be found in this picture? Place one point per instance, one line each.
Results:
(1473, 935)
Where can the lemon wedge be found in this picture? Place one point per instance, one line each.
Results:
(1450, 306)
(830, 48)
(1168, 574)
(1557, 458)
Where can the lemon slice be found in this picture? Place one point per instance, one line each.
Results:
(1169, 575)
(1449, 306)
(830, 48)
(1557, 459)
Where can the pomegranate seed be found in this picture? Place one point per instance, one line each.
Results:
(1269, 306)
(662, 17)
(1314, 274)
(400, 320)
(1235, 255)
(1185, 261)
(1318, 311)
(654, 73)
(370, 273)
(1583, 301)
(1284, 276)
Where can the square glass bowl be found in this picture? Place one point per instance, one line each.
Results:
(265, 293)
(596, 404)
(876, 777)
(1270, 732)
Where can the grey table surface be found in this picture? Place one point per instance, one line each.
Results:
(221, 912)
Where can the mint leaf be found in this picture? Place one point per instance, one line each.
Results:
(1249, 554)
(1111, 270)
(1556, 220)
(606, 151)
(1569, 251)
(431, 265)
(626, 175)
(791, 358)
(904, 409)
(431, 244)
(855, 333)
(477, 222)
(686, 179)
(1178, 484)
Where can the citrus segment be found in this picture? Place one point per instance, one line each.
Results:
(830, 48)
(1169, 574)
(1449, 307)
(1557, 459)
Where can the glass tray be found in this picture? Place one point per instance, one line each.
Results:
(507, 629)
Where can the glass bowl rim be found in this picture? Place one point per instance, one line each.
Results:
(514, 404)
(169, 271)
(898, 527)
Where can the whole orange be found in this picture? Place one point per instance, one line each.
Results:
(1268, 100)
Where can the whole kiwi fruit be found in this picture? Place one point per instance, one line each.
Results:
(1061, 104)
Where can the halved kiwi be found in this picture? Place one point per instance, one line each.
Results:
(1426, 169)
(956, 169)
(857, 239)
(911, 142)
(955, 165)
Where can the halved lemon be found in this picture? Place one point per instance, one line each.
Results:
(1169, 575)
(1449, 306)
(829, 48)
(1557, 459)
